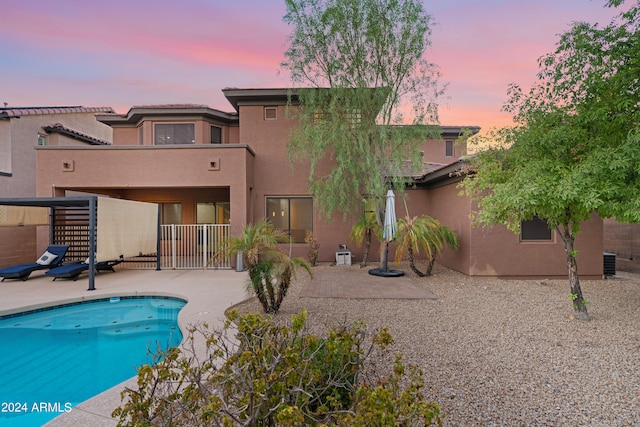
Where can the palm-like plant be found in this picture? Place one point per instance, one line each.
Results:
(423, 233)
(270, 269)
(362, 230)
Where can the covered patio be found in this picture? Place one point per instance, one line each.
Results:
(126, 228)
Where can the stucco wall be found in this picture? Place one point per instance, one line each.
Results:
(498, 251)
(130, 134)
(104, 170)
(623, 240)
(274, 176)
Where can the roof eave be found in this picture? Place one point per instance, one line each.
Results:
(445, 175)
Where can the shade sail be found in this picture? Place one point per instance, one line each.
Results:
(12, 216)
(126, 228)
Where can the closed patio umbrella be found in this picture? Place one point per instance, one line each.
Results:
(388, 234)
(389, 230)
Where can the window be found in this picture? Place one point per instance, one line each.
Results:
(320, 117)
(174, 133)
(448, 149)
(294, 215)
(535, 229)
(354, 116)
(42, 139)
(216, 135)
(171, 213)
(213, 212)
(270, 113)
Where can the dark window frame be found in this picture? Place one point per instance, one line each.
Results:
(216, 137)
(157, 134)
(535, 230)
(288, 199)
(449, 148)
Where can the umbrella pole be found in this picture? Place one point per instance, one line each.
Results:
(386, 255)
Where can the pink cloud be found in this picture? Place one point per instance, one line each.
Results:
(122, 53)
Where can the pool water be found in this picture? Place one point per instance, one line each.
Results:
(54, 359)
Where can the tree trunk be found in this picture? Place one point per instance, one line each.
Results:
(367, 246)
(432, 261)
(412, 263)
(579, 303)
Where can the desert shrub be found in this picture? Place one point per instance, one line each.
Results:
(313, 248)
(256, 372)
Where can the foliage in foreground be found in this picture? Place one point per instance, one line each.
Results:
(275, 375)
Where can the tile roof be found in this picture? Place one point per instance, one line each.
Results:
(63, 130)
(15, 112)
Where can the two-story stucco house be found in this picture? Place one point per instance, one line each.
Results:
(205, 166)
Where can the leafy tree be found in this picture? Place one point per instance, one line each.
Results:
(575, 148)
(359, 68)
(426, 233)
(270, 269)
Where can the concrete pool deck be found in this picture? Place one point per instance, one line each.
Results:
(208, 292)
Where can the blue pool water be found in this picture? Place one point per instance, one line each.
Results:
(51, 360)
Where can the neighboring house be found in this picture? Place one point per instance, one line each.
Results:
(205, 166)
(22, 129)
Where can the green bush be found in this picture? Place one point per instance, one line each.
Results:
(258, 373)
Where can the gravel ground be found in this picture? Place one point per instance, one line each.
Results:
(507, 352)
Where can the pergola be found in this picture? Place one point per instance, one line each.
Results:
(92, 203)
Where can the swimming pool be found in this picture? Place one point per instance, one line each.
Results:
(54, 358)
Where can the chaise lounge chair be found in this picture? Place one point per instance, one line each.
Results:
(73, 271)
(50, 259)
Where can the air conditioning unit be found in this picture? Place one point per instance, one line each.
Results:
(609, 264)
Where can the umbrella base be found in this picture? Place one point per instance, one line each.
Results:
(386, 273)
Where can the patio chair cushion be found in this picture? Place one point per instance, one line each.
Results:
(46, 258)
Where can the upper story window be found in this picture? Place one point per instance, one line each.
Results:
(448, 148)
(42, 139)
(216, 135)
(535, 230)
(354, 116)
(270, 113)
(174, 133)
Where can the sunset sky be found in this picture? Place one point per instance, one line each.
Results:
(120, 53)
